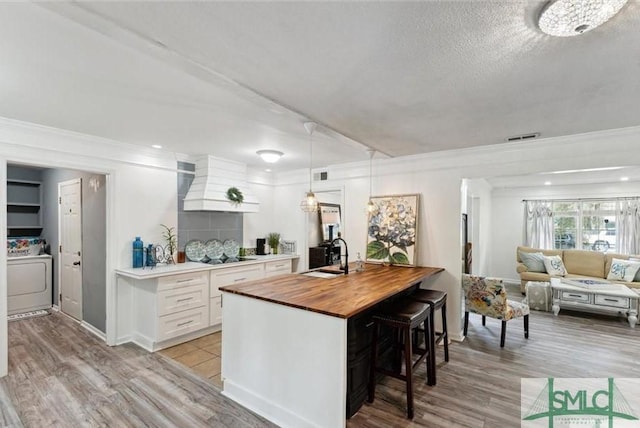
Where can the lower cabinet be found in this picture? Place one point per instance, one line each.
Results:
(179, 307)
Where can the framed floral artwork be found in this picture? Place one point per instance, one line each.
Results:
(393, 229)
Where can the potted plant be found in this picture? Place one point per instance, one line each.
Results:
(169, 236)
(273, 239)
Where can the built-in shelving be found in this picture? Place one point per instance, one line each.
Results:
(24, 203)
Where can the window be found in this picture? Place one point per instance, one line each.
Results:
(585, 225)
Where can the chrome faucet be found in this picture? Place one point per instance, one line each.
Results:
(346, 254)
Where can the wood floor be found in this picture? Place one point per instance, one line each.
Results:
(59, 375)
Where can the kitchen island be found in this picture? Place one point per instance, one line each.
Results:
(292, 344)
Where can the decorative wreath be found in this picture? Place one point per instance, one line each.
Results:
(235, 195)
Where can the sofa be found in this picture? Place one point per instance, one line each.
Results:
(578, 263)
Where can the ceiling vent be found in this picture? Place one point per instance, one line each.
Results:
(524, 137)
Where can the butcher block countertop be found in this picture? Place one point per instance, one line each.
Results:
(341, 296)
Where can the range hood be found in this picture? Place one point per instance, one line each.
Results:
(214, 176)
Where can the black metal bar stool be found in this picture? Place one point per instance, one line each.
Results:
(405, 316)
(436, 300)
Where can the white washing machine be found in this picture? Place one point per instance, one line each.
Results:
(28, 283)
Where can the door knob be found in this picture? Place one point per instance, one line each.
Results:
(76, 263)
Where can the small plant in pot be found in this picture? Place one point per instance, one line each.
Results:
(273, 239)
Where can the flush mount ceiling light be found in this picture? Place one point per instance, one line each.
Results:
(565, 18)
(310, 204)
(270, 156)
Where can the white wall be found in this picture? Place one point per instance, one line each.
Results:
(508, 216)
(437, 177)
(480, 221)
(141, 194)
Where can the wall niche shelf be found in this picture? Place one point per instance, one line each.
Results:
(24, 203)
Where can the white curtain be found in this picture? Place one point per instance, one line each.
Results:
(538, 224)
(628, 225)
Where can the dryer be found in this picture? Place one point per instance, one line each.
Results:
(28, 283)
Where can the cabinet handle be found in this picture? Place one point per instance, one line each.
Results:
(184, 300)
(185, 323)
(369, 324)
(279, 266)
(611, 300)
(184, 280)
(575, 295)
(239, 279)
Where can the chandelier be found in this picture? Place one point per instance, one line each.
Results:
(564, 18)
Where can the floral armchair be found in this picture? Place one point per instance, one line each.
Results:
(487, 297)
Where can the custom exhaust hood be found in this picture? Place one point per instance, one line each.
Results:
(214, 177)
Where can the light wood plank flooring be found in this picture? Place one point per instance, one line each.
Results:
(61, 376)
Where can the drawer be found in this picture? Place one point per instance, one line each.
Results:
(215, 311)
(184, 322)
(181, 298)
(575, 296)
(277, 267)
(616, 302)
(183, 280)
(234, 275)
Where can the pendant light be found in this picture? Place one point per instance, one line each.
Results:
(310, 204)
(370, 205)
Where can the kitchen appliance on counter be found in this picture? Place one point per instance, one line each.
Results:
(260, 244)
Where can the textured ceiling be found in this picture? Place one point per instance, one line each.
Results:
(229, 78)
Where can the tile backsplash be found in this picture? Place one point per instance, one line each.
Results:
(203, 225)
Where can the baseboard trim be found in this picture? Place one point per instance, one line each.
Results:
(91, 329)
(263, 406)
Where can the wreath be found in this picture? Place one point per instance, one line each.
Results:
(235, 195)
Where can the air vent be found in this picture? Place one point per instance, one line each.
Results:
(320, 176)
(524, 137)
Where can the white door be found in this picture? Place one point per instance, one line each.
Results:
(70, 235)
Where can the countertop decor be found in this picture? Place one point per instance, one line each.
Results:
(169, 236)
(273, 239)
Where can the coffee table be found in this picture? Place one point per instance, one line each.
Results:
(610, 299)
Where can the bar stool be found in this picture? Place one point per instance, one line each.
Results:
(405, 316)
(436, 300)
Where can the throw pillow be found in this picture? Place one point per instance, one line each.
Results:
(554, 266)
(623, 270)
(533, 261)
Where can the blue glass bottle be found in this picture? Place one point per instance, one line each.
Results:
(138, 255)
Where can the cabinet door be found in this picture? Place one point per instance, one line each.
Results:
(215, 311)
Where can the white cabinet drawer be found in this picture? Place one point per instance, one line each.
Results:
(234, 275)
(575, 296)
(617, 302)
(277, 267)
(183, 280)
(215, 311)
(184, 322)
(181, 298)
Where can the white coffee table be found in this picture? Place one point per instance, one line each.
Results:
(610, 299)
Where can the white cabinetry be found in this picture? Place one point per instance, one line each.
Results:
(171, 307)
(228, 276)
(277, 267)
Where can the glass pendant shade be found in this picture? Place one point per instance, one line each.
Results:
(309, 204)
(565, 18)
